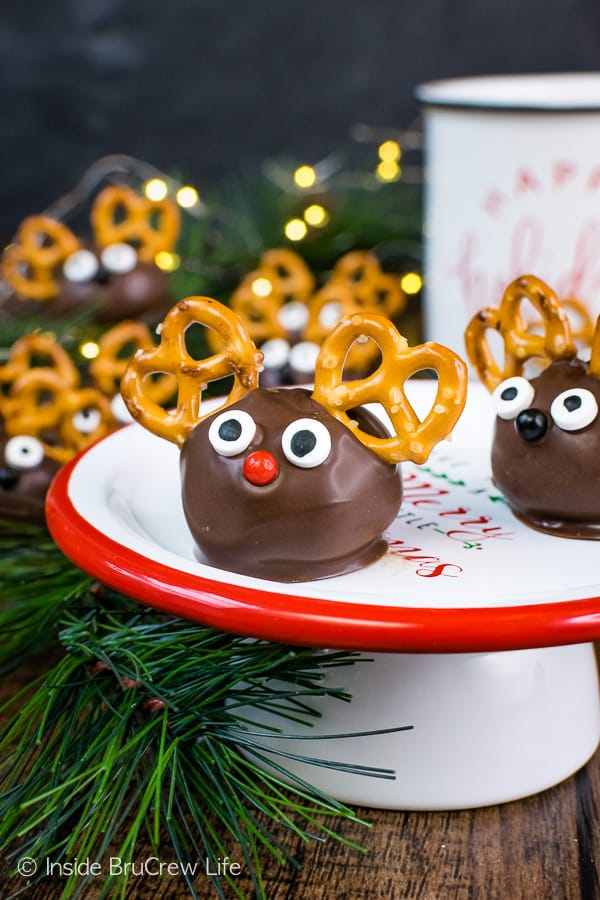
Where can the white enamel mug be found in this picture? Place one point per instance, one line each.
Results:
(512, 187)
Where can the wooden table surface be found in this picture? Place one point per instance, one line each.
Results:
(547, 846)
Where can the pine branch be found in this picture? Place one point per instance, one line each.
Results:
(145, 730)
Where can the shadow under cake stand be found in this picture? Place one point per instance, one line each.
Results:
(475, 630)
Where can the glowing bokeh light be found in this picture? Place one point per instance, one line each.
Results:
(89, 349)
(305, 177)
(316, 215)
(295, 229)
(187, 196)
(156, 189)
(411, 283)
(166, 261)
(388, 171)
(261, 287)
(389, 151)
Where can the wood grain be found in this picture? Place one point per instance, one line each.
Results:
(543, 848)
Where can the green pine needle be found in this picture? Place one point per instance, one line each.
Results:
(143, 731)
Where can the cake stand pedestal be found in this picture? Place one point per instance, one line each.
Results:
(478, 629)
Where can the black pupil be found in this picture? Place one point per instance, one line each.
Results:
(230, 430)
(24, 451)
(572, 403)
(509, 393)
(303, 442)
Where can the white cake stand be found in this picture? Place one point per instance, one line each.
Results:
(478, 629)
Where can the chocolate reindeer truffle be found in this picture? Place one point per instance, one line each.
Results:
(284, 484)
(115, 273)
(546, 443)
(45, 419)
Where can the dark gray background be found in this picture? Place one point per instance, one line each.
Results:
(210, 88)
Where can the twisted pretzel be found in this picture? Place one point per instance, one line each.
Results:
(259, 314)
(594, 363)
(23, 353)
(239, 357)
(582, 326)
(413, 439)
(72, 436)
(40, 404)
(153, 225)
(34, 403)
(290, 277)
(520, 344)
(108, 368)
(356, 266)
(373, 289)
(337, 298)
(30, 264)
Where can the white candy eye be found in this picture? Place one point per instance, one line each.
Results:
(119, 410)
(231, 432)
(306, 443)
(81, 266)
(512, 396)
(87, 420)
(23, 452)
(119, 258)
(293, 316)
(574, 409)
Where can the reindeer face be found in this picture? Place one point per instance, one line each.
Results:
(115, 274)
(288, 485)
(275, 487)
(545, 456)
(545, 452)
(112, 280)
(25, 476)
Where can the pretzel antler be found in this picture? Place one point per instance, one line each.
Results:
(239, 357)
(414, 438)
(594, 363)
(120, 215)
(30, 264)
(520, 344)
(65, 419)
(32, 347)
(108, 367)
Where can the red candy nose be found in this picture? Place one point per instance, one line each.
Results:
(260, 468)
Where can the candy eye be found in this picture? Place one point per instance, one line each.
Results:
(23, 452)
(81, 266)
(574, 409)
(231, 432)
(119, 410)
(86, 420)
(512, 396)
(306, 443)
(119, 258)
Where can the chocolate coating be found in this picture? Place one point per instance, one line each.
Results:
(23, 491)
(551, 477)
(142, 293)
(308, 523)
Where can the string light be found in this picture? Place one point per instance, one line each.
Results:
(316, 215)
(305, 177)
(166, 261)
(411, 283)
(389, 151)
(388, 170)
(89, 349)
(295, 230)
(156, 189)
(187, 196)
(261, 287)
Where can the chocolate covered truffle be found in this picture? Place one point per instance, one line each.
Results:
(283, 484)
(545, 453)
(293, 493)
